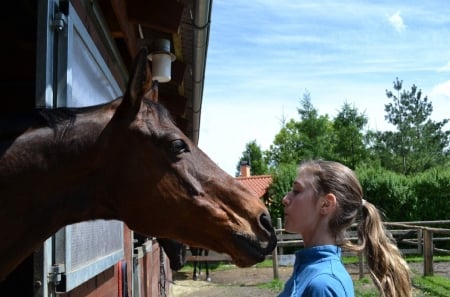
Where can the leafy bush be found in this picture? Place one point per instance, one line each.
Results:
(424, 196)
(391, 192)
(432, 189)
(283, 177)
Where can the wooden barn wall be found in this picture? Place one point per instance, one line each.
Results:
(17, 82)
(149, 272)
(18, 58)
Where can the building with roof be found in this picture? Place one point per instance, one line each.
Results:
(258, 184)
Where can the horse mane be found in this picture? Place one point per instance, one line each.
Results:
(13, 125)
(55, 117)
(58, 119)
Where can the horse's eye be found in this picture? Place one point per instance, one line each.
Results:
(178, 146)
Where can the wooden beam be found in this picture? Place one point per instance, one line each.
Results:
(175, 103)
(158, 15)
(178, 70)
(129, 30)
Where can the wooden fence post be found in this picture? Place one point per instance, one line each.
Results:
(279, 224)
(279, 227)
(361, 264)
(275, 264)
(427, 252)
(275, 254)
(419, 242)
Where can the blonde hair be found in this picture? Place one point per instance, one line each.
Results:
(388, 270)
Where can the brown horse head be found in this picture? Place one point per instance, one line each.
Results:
(123, 160)
(169, 188)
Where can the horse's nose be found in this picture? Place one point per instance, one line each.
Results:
(266, 225)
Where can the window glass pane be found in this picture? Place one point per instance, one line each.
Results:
(94, 240)
(90, 84)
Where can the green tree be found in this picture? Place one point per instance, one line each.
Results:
(254, 157)
(282, 180)
(286, 145)
(309, 138)
(349, 145)
(419, 143)
(378, 151)
(316, 131)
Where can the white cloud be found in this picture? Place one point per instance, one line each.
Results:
(445, 68)
(442, 89)
(440, 97)
(396, 21)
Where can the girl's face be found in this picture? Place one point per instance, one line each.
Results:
(301, 206)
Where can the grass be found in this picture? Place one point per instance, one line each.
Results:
(365, 288)
(437, 286)
(265, 264)
(274, 285)
(436, 258)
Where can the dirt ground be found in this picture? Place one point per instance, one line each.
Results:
(234, 282)
(243, 282)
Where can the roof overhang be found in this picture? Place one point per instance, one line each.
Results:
(186, 24)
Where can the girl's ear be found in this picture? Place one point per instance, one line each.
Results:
(328, 204)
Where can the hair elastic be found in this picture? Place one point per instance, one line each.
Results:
(363, 202)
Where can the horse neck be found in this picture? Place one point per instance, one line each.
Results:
(53, 170)
(49, 178)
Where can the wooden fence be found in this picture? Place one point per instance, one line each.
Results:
(413, 238)
(212, 257)
(416, 238)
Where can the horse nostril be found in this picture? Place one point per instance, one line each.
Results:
(266, 225)
(265, 222)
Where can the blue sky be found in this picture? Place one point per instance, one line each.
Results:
(264, 55)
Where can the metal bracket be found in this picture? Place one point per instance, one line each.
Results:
(56, 275)
(60, 21)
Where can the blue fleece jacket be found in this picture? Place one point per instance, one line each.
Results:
(319, 272)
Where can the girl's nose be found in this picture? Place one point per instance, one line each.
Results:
(285, 200)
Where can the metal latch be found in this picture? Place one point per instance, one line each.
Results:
(57, 271)
(60, 21)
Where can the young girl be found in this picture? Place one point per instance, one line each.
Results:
(325, 200)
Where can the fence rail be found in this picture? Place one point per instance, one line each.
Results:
(212, 257)
(418, 235)
(417, 238)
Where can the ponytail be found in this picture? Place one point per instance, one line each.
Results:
(388, 270)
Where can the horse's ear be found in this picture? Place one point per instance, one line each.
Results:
(139, 81)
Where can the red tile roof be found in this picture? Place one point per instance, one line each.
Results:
(258, 184)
